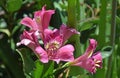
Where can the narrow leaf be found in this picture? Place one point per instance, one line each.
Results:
(28, 63)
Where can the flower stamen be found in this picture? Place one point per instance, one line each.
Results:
(38, 19)
(52, 46)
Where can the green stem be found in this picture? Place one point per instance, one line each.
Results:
(113, 29)
(65, 65)
(72, 13)
(102, 23)
(75, 40)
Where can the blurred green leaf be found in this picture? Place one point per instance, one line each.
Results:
(118, 59)
(119, 1)
(13, 5)
(28, 63)
(74, 71)
(82, 10)
(81, 76)
(57, 19)
(2, 2)
(43, 70)
(106, 54)
(117, 20)
(48, 69)
(114, 69)
(38, 70)
(9, 59)
(118, 66)
(88, 23)
(15, 29)
(6, 31)
(97, 3)
(85, 26)
(100, 73)
(41, 3)
(106, 51)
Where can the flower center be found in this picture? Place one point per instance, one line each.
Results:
(38, 20)
(52, 46)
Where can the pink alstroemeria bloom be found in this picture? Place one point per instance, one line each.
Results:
(54, 44)
(29, 39)
(40, 22)
(89, 60)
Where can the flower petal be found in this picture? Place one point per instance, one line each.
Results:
(43, 17)
(84, 62)
(29, 22)
(46, 18)
(89, 65)
(65, 53)
(88, 60)
(41, 53)
(29, 39)
(25, 42)
(67, 32)
(48, 35)
(98, 59)
(92, 46)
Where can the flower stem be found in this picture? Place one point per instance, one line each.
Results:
(75, 39)
(65, 65)
(102, 23)
(113, 29)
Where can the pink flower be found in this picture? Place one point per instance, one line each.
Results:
(89, 60)
(54, 44)
(63, 34)
(29, 39)
(67, 32)
(40, 21)
(54, 48)
(54, 40)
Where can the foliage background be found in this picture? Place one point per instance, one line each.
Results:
(99, 19)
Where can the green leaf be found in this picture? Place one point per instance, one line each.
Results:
(106, 51)
(106, 54)
(119, 1)
(85, 27)
(15, 29)
(48, 69)
(2, 2)
(74, 71)
(57, 19)
(6, 31)
(38, 70)
(28, 63)
(43, 70)
(13, 5)
(80, 76)
(118, 66)
(117, 20)
(87, 24)
(7, 56)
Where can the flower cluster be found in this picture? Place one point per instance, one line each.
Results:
(54, 42)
